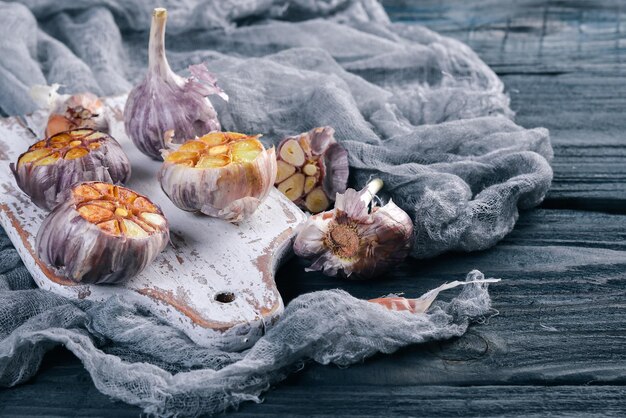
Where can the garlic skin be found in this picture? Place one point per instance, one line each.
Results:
(231, 188)
(353, 241)
(81, 110)
(312, 169)
(165, 107)
(420, 305)
(51, 166)
(102, 234)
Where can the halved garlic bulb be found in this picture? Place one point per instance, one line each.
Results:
(312, 169)
(354, 241)
(52, 165)
(165, 107)
(221, 174)
(102, 233)
(81, 110)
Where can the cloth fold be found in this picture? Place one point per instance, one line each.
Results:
(419, 110)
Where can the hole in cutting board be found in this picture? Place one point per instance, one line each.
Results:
(225, 297)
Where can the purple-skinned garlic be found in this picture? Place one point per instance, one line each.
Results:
(221, 174)
(80, 110)
(165, 107)
(353, 240)
(102, 233)
(51, 166)
(312, 169)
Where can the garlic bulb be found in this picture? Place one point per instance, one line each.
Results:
(222, 174)
(353, 241)
(166, 107)
(102, 233)
(52, 165)
(81, 110)
(312, 169)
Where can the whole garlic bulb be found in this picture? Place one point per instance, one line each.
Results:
(165, 107)
(52, 165)
(221, 174)
(102, 233)
(353, 241)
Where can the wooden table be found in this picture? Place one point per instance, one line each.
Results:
(559, 343)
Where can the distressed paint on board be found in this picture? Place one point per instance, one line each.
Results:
(206, 257)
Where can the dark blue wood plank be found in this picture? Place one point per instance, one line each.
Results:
(564, 65)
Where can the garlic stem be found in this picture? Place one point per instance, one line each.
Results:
(157, 61)
(370, 190)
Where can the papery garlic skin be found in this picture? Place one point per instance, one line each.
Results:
(93, 251)
(353, 242)
(166, 107)
(231, 192)
(420, 305)
(80, 110)
(51, 166)
(312, 169)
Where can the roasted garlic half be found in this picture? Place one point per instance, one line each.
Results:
(102, 233)
(221, 174)
(51, 166)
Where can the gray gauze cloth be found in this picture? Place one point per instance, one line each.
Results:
(416, 109)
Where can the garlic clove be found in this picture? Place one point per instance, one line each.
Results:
(355, 240)
(292, 153)
(309, 184)
(311, 234)
(51, 166)
(321, 165)
(227, 178)
(99, 234)
(284, 171)
(293, 186)
(166, 109)
(316, 201)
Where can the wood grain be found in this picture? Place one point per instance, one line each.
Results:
(69, 393)
(563, 64)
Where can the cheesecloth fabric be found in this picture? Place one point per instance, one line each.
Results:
(418, 110)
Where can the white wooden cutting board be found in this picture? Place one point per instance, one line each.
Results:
(207, 256)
